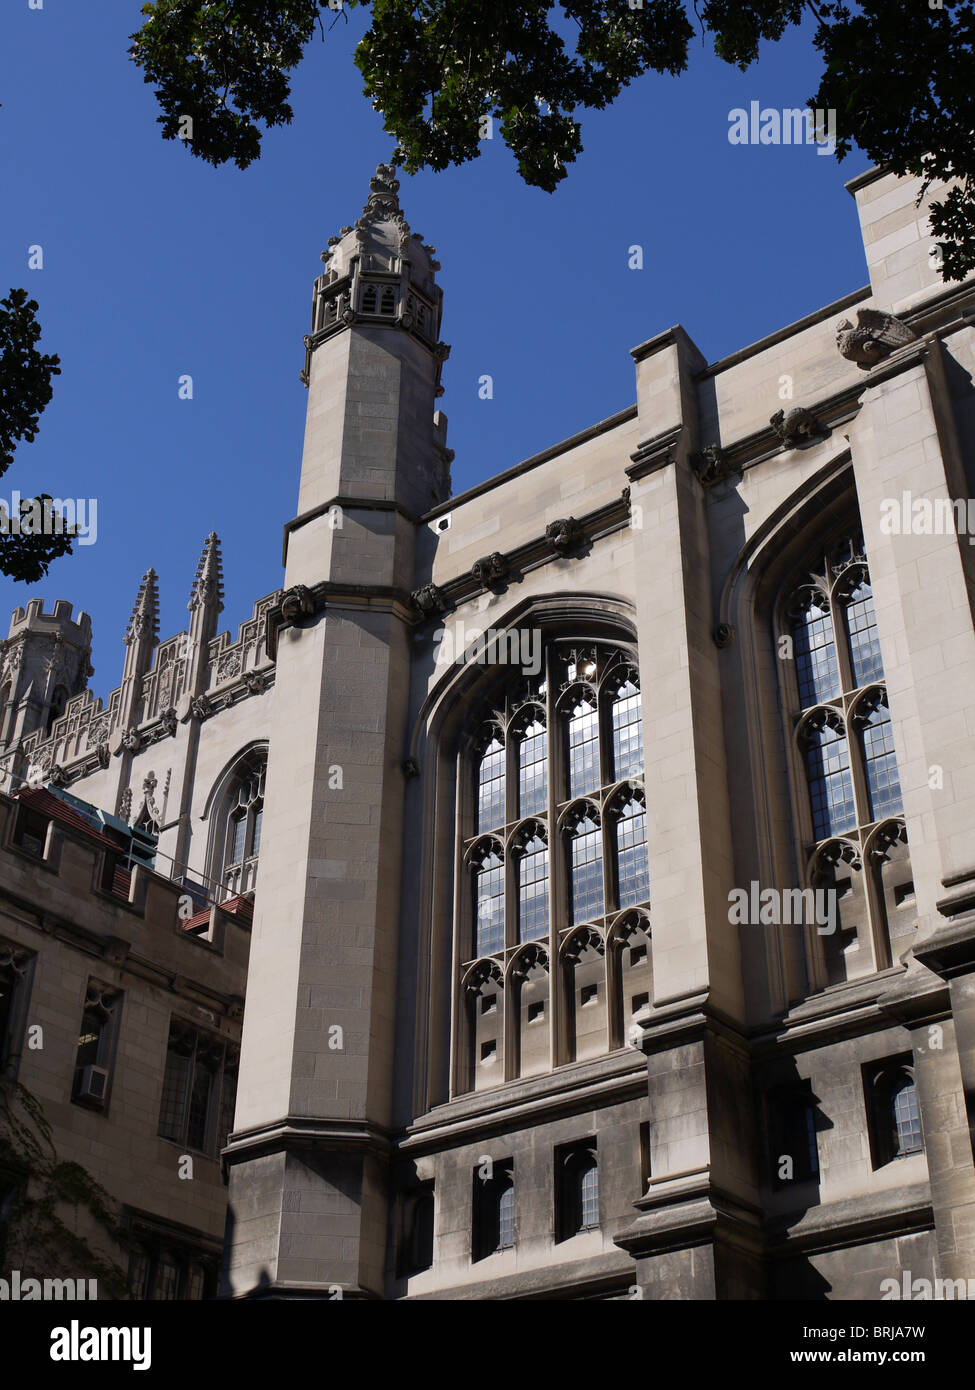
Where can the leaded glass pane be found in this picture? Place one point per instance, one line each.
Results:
(532, 770)
(490, 787)
(583, 750)
(627, 733)
(533, 892)
(830, 783)
(907, 1119)
(490, 906)
(880, 761)
(590, 1197)
(587, 874)
(864, 643)
(506, 1217)
(817, 669)
(631, 844)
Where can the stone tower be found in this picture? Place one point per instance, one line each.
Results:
(310, 1150)
(43, 662)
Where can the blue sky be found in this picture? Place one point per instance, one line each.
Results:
(157, 265)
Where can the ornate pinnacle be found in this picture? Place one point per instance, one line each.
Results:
(207, 587)
(145, 615)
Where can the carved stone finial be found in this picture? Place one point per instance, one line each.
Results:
(564, 535)
(797, 427)
(125, 804)
(490, 569)
(430, 600)
(208, 584)
(145, 615)
(875, 337)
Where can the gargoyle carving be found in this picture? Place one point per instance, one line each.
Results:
(297, 603)
(875, 337)
(563, 535)
(798, 427)
(491, 569)
(430, 600)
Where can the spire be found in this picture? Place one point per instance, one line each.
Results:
(207, 590)
(145, 615)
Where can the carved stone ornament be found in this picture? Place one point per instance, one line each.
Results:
(430, 600)
(297, 603)
(169, 722)
(57, 776)
(201, 708)
(125, 804)
(797, 427)
(131, 741)
(564, 535)
(490, 569)
(103, 755)
(254, 682)
(874, 338)
(411, 768)
(712, 465)
(724, 635)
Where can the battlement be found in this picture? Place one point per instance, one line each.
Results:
(34, 619)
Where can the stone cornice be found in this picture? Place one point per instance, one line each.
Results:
(562, 539)
(292, 1132)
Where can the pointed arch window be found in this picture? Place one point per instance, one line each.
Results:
(235, 836)
(539, 859)
(845, 761)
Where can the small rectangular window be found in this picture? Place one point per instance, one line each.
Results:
(198, 1089)
(95, 1054)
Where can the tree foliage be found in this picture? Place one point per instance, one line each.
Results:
(25, 390)
(36, 1236)
(901, 77)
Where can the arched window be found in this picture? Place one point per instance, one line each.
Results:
(542, 858)
(845, 760)
(577, 1180)
(236, 812)
(895, 1116)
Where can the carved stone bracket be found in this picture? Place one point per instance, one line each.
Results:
(564, 535)
(430, 600)
(797, 427)
(201, 708)
(296, 603)
(491, 570)
(712, 465)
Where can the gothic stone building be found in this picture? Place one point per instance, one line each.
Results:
(649, 763)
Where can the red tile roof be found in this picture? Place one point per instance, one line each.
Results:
(240, 906)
